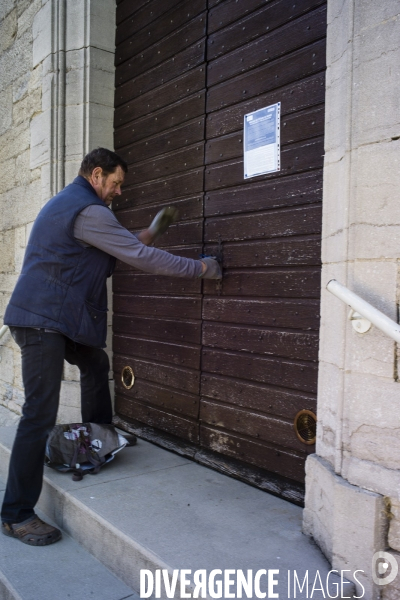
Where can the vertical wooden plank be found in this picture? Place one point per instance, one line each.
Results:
(267, 229)
(159, 130)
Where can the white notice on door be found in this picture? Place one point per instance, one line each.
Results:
(262, 141)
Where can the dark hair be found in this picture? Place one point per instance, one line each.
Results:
(101, 157)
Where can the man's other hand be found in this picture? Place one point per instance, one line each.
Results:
(212, 268)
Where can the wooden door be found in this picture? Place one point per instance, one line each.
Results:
(225, 368)
(159, 130)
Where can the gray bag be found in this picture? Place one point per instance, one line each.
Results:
(82, 447)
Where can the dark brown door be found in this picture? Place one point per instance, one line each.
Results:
(227, 367)
(159, 129)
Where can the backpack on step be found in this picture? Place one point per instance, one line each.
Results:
(82, 447)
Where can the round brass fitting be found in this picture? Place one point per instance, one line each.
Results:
(305, 426)
(127, 377)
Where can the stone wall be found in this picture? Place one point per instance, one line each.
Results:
(56, 104)
(356, 471)
(20, 184)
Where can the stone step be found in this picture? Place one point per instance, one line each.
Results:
(153, 509)
(62, 571)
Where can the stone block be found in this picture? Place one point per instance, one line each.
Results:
(7, 417)
(368, 13)
(370, 241)
(48, 83)
(8, 167)
(375, 96)
(360, 526)
(100, 81)
(348, 523)
(35, 79)
(5, 109)
(26, 11)
(77, 58)
(4, 300)
(8, 30)
(75, 85)
(74, 131)
(370, 353)
(101, 60)
(21, 86)
(371, 401)
(15, 209)
(101, 132)
(376, 444)
(7, 251)
(318, 515)
(76, 19)
(6, 6)
(373, 352)
(102, 25)
(72, 169)
(101, 87)
(7, 282)
(340, 30)
(334, 323)
(14, 141)
(6, 392)
(41, 31)
(375, 202)
(28, 231)
(22, 6)
(19, 247)
(16, 60)
(376, 282)
(371, 420)
(337, 117)
(23, 173)
(25, 109)
(335, 219)
(40, 131)
(330, 393)
(6, 364)
(394, 525)
(18, 383)
(371, 476)
(46, 182)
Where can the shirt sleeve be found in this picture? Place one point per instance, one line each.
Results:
(98, 226)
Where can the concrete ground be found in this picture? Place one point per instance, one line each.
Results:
(152, 509)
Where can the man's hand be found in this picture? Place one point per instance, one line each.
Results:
(159, 225)
(212, 268)
(162, 221)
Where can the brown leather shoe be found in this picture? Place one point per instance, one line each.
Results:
(33, 531)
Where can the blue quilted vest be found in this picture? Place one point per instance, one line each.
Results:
(62, 285)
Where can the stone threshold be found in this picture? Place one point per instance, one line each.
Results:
(152, 509)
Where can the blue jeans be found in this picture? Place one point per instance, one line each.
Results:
(43, 355)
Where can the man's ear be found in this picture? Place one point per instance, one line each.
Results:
(97, 173)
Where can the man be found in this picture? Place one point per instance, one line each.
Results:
(58, 311)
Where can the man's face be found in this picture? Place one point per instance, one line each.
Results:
(107, 186)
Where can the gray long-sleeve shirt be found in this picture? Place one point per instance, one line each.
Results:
(98, 226)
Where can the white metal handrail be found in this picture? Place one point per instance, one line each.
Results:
(3, 329)
(365, 309)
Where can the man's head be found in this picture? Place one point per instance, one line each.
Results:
(105, 171)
